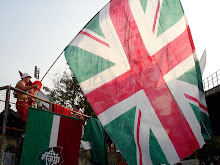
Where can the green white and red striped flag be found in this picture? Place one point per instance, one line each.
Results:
(137, 65)
(51, 139)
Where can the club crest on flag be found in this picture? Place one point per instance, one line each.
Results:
(50, 156)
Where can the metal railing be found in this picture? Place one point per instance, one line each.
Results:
(8, 101)
(211, 81)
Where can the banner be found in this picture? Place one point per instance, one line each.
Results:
(51, 139)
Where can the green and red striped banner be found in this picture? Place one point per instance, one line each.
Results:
(47, 133)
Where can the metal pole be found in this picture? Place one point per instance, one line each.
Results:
(208, 84)
(6, 111)
(52, 65)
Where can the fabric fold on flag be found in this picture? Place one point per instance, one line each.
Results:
(51, 139)
(59, 109)
(94, 133)
(203, 62)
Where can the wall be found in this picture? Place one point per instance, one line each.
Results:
(213, 104)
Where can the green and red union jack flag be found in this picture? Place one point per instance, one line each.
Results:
(137, 65)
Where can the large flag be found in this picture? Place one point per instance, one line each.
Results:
(137, 65)
(51, 139)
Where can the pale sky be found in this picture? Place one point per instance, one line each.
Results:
(36, 32)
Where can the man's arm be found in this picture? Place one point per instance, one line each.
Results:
(21, 85)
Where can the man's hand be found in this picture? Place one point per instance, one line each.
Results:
(36, 86)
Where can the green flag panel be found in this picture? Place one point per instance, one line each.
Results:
(156, 151)
(144, 4)
(203, 119)
(35, 140)
(94, 26)
(192, 77)
(171, 13)
(124, 135)
(84, 64)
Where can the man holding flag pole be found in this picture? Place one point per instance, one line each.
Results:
(22, 99)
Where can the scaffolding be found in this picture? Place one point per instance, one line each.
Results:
(211, 81)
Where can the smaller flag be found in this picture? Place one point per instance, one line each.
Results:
(94, 133)
(51, 139)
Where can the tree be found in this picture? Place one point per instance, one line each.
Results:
(67, 92)
(211, 149)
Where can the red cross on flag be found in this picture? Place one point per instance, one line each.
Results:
(137, 65)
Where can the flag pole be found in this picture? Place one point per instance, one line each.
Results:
(52, 65)
(80, 113)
